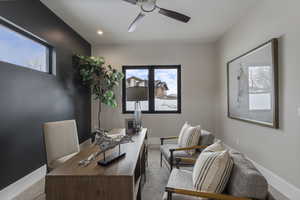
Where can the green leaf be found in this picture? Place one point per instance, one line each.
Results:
(114, 103)
(109, 94)
(91, 69)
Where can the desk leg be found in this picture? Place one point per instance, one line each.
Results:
(139, 194)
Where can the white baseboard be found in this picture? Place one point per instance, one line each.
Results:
(281, 185)
(14, 190)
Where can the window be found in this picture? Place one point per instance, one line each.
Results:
(21, 48)
(163, 84)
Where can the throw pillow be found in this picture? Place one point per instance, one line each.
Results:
(191, 137)
(183, 129)
(212, 171)
(217, 146)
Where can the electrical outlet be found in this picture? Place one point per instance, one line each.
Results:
(299, 111)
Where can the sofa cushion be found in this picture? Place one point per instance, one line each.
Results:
(165, 149)
(181, 179)
(245, 179)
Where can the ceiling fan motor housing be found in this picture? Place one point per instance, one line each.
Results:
(147, 5)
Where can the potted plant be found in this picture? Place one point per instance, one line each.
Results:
(100, 78)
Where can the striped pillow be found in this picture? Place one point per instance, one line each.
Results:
(183, 129)
(212, 171)
(190, 138)
(217, 146)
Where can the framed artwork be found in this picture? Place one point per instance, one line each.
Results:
(252, 83)
(129, 126)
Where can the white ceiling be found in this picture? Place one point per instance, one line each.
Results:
(210, 19)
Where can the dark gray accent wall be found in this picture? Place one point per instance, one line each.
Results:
(29, 98)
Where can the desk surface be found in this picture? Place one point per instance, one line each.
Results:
(124, 167)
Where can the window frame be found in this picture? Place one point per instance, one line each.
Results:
(151, 80)
(30, 36)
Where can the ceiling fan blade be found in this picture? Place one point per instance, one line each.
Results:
(136, 21)
(174, 15)
(131, 1)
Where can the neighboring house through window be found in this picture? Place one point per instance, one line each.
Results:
(163, 84)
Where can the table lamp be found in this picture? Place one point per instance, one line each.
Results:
(137, 94)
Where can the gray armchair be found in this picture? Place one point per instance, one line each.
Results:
(245, 183)
(170, 152)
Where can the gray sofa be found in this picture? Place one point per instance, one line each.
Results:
(245, 179)
(245, 182)
(170, 152)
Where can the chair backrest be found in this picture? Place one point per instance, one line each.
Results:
(61, 139)
(245, 180)
(207, 138)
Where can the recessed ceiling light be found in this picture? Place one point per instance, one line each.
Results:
(100, 32)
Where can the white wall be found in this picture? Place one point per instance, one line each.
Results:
(198, 84)
(276, 150)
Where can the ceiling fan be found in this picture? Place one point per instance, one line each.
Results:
(148, 6)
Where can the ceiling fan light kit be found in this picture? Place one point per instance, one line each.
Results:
(148, 6)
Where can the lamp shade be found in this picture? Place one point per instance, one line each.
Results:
(137, 93)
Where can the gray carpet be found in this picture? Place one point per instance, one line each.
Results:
(157, 179)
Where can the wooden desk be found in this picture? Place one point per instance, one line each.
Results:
(122, 180)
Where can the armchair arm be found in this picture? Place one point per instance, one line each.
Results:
(189, 148)
(185, 160)
(167, 138)
(182, 149)
(204, 194)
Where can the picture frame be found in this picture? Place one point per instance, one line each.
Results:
(129, 126)
(252, 86)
